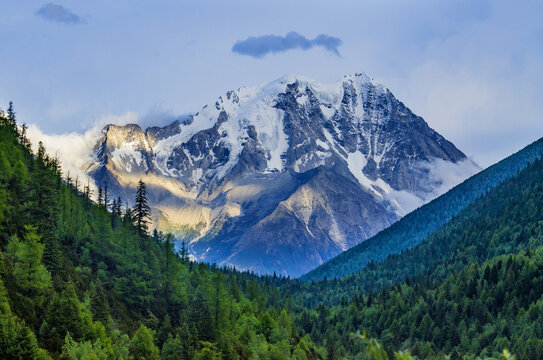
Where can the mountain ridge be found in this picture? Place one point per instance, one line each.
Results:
(228, 177)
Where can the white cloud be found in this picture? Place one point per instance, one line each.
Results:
(443, 176)
(74, 149)
(447, 174)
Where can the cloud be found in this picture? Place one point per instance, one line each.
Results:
(60, 14)
(72, 149)
(259, 46)
(75, 149)
(442, 176)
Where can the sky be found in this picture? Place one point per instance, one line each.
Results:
(472, 69)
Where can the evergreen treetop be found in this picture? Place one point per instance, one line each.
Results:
(142, 210)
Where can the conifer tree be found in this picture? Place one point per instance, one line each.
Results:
(31, 276)
(86, 190)
(3, 118)
(128, 216)
(63, 315)
(69, 179)
(117, 210)
(172, 348)
(44, 208)
(142, 345)
(184, 252)
(11, 114)
(142, 210)
(114, 218)
(17, 341)
(100, 196)
(106, 197)
(200, 318)
(22, 137)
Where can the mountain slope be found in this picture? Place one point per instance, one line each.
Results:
(471, 287)
(506, 219)
(419, 224)
(289, 170)
(481, 310)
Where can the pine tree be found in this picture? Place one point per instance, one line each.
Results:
(184, 252)
(44, 207)
(142, 210)
(106, 197)
(98, 301)
(3, 118)
(76, 183)
(26, 256)
(100, 196)
(22, 137)
(173, 276)
(200, 317)
(63, 315)
(142, 345)
(68, 179)
(17, 341)
(128, 216)
(117, 210)
(87, 190)
(172, 348)
(11, 114)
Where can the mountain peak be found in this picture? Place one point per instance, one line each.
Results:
(292, 167)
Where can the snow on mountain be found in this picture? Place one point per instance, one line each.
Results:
(282, 176)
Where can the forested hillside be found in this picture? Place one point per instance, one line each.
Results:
(419, 224)
(455, 293)
(506, 220)
(477, 312)
(84, 280)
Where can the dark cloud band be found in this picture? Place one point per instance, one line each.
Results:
(58, 13)
(259, 46)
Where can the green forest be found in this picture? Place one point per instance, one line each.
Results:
(84, 279)
(507, 220)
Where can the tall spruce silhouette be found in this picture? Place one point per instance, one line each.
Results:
(142, 210)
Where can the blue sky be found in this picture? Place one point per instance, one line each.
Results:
(472, 69)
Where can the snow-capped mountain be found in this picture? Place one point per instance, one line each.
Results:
(283, 176)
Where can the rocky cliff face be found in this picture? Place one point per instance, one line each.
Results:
(283, 176)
